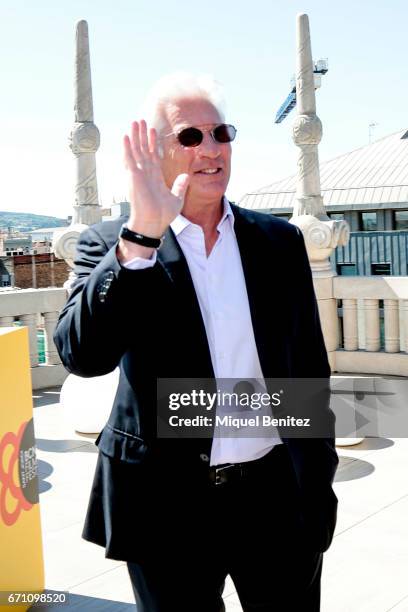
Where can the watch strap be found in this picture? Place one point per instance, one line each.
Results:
(137, 238)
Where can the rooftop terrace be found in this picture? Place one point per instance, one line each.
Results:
(365, 570)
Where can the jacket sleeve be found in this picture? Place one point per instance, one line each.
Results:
(92, 332)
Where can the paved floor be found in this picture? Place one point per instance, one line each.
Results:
(365, 570)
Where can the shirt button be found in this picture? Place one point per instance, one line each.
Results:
(204, 457)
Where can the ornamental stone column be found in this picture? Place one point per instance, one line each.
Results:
(321, 234)
(84, 142)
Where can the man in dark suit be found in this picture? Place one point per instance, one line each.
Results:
(227, 294)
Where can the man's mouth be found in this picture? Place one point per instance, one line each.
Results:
(208, 171)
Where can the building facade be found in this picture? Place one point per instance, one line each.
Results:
(368, 187)
(33, 271)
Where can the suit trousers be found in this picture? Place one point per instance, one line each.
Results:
(249, 528)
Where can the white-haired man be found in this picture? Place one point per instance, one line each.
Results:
(183, 289)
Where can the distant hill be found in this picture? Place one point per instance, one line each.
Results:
(25, 222)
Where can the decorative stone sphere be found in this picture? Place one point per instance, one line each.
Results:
(317, 235)
(87, 402)
(85, 138)
(307, 130)
(64, 241)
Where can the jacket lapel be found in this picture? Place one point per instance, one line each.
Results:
(171, 258)
(259, 263)
(197, 363)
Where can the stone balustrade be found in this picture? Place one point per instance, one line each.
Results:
(373, 335)
(372, 325)
(37, 308)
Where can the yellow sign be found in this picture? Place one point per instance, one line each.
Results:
(21, 558)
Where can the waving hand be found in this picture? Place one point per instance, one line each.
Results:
(153, 206)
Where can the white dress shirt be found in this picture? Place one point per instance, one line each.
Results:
(221, 292)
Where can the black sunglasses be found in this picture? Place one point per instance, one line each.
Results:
(192, 136)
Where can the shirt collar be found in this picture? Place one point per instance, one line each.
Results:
(180, 222)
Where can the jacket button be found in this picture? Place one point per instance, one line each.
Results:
(204, 457)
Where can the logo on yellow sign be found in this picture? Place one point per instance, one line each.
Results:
(18, 473)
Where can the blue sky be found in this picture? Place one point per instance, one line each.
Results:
(248, 46)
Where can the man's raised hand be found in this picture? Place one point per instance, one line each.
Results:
(153, 206)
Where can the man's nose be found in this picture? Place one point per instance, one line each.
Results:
(208, 146)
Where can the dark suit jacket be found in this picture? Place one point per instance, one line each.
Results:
(149, 322)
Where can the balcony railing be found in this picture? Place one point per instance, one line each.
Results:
(37, 309)
(373, 324)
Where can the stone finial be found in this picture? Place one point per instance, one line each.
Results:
(84, 142)
(321, 234)
(84, 138)
(83, 84)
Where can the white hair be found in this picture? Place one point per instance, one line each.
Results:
(179, 86)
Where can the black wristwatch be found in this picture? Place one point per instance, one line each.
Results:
(127, 234)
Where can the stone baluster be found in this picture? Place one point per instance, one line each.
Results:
(50, 322)
(350, 327)
(6, 321)
(30, 320)
(404, 318)
(372, 325)
(391, 326)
